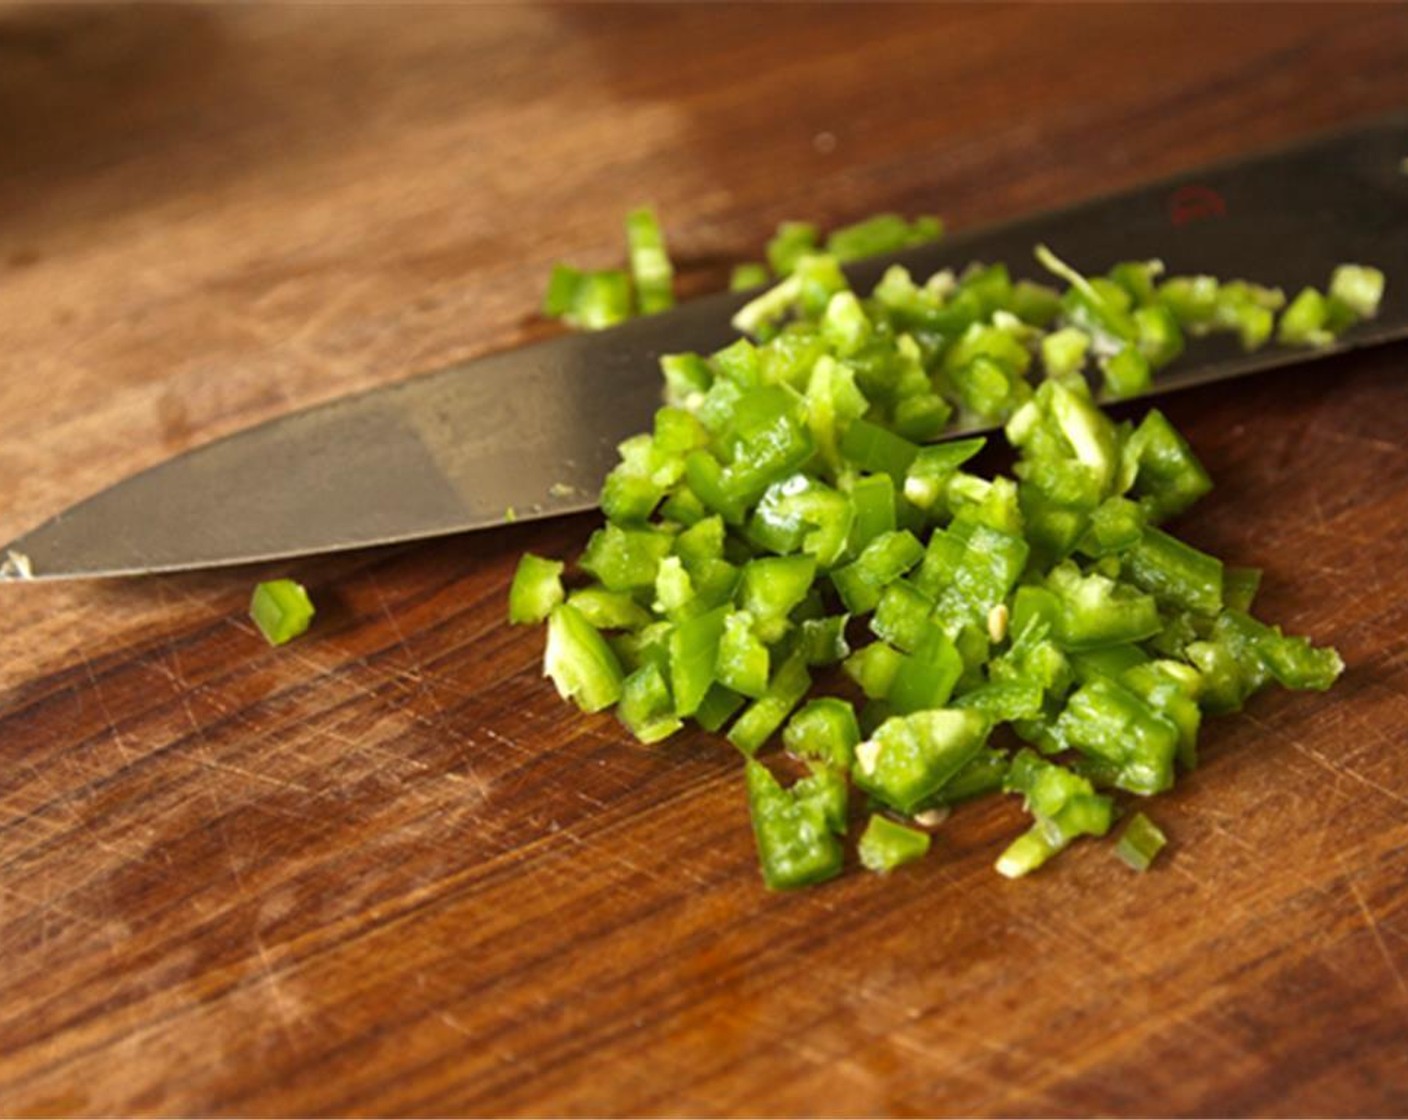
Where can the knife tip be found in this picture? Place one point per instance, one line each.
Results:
(15, 566)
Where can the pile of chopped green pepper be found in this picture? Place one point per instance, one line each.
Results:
(790, 516)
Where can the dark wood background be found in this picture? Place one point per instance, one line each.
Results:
(384, 870)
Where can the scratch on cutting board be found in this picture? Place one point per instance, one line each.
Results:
(253, 775)
(1373, 924)
(1224, 834)
(326, 312)
(182, 687)
(1051, 1069)
(438, 722)
(454, 1024)
(833, 1062)
(288, 1015)
(1358, 441)
(63, 800)
(271, 980)
(1331, 805)
(1329, 764)
(43, 907)
(613, 850)
(116, 735)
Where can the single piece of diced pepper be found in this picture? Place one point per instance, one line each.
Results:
(1005, 700)
(1191, 299)
(922, 416)
(833, 403)
(884, 560)
(742, 661)
(1127, 373)
(770, 440)
(761, 315)
(1116, 525)
(767, 713)
(797, 844)
(702, 541)
(872, 499)
(650, 264)
(1107, 661)
(581, 664)
(1160, 468)
(984, 773)
(1358, 287)
(1160, 338)
(823, 640)
(589, 300)
(609, 610)
(876, 449)
(1175, 573)
(824, 729)
(874, 667)
(881, 233)
(1064, 805)
(1105, 719)
(1305, 321)
(536, 589)
(625, 559)
(791, 242)
(1239, 587)
(926, 676)
(1140, 842)
(694, 651)
(645, 706)
(1063, 352)
(819, 277)
(675, 597)
(717, 707)
(282, 610)
(886, 844)
(845, 325)
(1095, 611)
(749, 274)
(1139, 279)
(908, 758)
(687, 379)
(1037, 304)
(771, 587)
(902, 617)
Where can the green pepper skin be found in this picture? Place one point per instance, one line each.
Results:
(824, 729)
(795, 833)
(536, 589)
(282, 610)
(909, 757)
(886, 844)
(1141, 841)
(580, 662)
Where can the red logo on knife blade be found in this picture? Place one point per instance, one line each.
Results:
(1194, 202)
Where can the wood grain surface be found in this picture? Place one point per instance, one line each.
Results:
(383, 870)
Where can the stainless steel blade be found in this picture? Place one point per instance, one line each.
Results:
(530, 433)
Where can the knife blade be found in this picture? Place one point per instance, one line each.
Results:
(531, 432)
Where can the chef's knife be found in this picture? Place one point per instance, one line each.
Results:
(532, 432)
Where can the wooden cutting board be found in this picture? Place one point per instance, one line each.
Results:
(384, 870)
